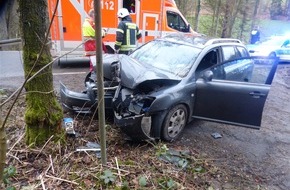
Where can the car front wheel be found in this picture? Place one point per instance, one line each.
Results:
(174, 123)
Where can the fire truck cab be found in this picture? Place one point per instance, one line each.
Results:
(155, 18)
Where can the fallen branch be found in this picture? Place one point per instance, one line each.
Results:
(44, 146)
(18, 140)
(60, 179)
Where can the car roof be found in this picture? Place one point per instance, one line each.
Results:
(198, 40)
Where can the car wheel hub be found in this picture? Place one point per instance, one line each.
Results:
(176, 124)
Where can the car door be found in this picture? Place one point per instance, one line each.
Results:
(235, 92)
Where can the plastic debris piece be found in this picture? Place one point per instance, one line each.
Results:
(68, 125)
(93, 145)
(84, 148)
(177, 158)
(90, 146)
(216, 135)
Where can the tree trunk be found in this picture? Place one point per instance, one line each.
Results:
(288, 10)
(9, 23)
(43, 114)
(197, 15)
(3, 147)
(243, 25)
(235, 10)
(226, 20)
(217, 12)
(254, 16)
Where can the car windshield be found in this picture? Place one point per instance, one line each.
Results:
(171, 57)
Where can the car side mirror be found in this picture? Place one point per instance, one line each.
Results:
(207, 75)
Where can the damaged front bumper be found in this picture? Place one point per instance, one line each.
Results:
(84, 102)
(136, 127)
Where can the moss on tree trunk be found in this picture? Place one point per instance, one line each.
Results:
(43, 114)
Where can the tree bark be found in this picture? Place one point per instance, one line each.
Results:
(9, 23)
(3, 147)
(244, 13)
(226, 20)
(43, 114)
(197, 15)
(254, 16)
(235, 10)
(217, 17)
(288, 10)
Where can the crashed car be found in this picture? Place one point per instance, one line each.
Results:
(166, 83)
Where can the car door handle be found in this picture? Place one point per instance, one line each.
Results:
(257, 94)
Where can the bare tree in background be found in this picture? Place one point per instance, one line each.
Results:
(216, 17)
(226, 20)
(43, 114)
(185, 7)
(236, 9)
(197, 13)
(244, 20)
(288, 9)
(9, 20)
(254, 16)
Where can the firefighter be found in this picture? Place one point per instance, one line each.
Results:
(88, 30)
(127, 33)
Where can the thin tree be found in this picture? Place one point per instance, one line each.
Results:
(235, 9)
(3, 147)
(226, 20)
(288, 9)
(197, 12)
(244, 20)
(254, 16)
(216, 16)
(275, 9)
(43, 114)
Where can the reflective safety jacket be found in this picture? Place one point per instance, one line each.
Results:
(88, 30)
(127, 35)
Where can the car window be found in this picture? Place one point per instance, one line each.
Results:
(229, 53)
(210, 59)
(243, 51)
(171, 57)
(252, 70)
(176, 22)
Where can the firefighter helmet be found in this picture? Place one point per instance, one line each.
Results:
(123, 12)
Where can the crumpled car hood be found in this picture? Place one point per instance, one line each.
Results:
(133, 73)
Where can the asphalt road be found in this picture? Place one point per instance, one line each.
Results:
(12, 73)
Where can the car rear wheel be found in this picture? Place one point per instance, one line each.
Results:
(174, 123)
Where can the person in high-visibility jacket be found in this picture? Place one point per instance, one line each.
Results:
(88, 30)
(127, 33)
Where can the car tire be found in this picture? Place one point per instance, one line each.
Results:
(174, 123)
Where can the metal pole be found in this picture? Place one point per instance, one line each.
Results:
(99, 67)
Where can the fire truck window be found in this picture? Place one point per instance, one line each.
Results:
(175, 21)
(130, 5)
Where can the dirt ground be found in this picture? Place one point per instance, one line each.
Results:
(241, 159)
